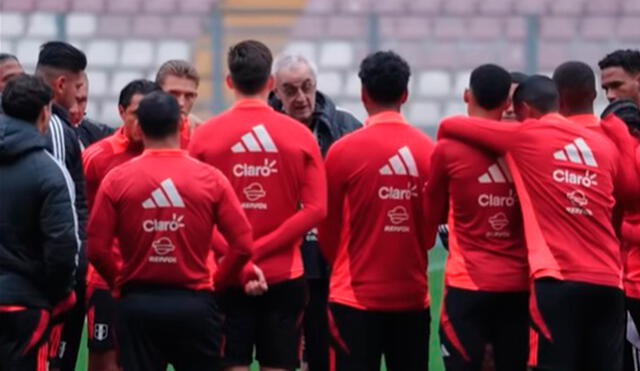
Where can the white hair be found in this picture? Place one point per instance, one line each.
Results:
(286, 61)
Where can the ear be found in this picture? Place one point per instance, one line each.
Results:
(229, 82)
(364, 96)
(121, 112)
(59, 83)
(466, 96)
(43, 119)
(270, 83)
(506, 104)
(404, 96)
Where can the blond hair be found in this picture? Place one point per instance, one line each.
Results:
(179, 68)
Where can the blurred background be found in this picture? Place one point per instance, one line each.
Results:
(442, 40)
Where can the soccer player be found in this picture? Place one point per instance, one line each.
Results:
(275, 167)
(9, 67)
(565, 175)
(162, 208)
(88, 130)
(516, 79)
(621, 75)
(62, 67)
(373, 235)
(295, 94)
(99, 159)
(486, 276)
(181, 79)
(38, 228)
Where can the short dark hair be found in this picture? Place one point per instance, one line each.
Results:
(62, 56)
(141, 86)
(7, 57)
(490, 85)
(576, 83)
(249, 63)
(539, 92)
(24, 96)
(158, 115)
(626, 110)
(627, 59)
(518, 77)
(384, 76)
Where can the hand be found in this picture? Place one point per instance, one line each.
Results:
(257, 285)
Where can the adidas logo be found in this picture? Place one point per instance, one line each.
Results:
(402, 163)
(164, 196)
(496, 173)
(577, 152)
(257, 140)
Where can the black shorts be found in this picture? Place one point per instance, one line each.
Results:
(271, 322)
(577, 326)
(23, 339)
(316, 326)
(101, 313)
(361, 337)
(472, 320)
(157, 327)
(632, 343)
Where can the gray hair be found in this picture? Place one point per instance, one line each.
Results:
(288, 60)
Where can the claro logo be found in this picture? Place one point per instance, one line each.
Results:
(587, 179)
(264, 170)
(155, 225)
(392, 193)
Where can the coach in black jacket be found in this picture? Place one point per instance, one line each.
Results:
(39, 238)
(295, 95)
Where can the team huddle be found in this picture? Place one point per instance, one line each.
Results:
(283, 230)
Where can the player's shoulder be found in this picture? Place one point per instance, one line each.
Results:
(97, 151)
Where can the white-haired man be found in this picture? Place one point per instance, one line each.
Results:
(295, 94)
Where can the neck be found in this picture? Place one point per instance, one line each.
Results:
(263, 95)
(572, 111)
(475, 111)
(374, 110)
(170, 142)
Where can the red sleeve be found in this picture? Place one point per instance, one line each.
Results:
(436, 200)
(312, 211)
(194, 147)
(100, 234)
(236, 230)
(330, 230)
(627, 182)
(496, 136)
(631, 233)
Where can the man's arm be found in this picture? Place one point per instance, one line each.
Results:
(313, 210)
(496, 136)
(436, 195)
(101, 232)
(233, 225)
(330, 230)
(59, 225)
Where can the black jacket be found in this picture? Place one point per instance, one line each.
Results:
(90, 131)
(328, 124)
(64, 144)
(39, 239)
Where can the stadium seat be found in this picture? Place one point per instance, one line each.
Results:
(81, 24)
(513, 57)
(137, 53)
(353, 85)
(628, 29)
(425, 6)
(330, 83)
(355, 6)
(600, 7)
(304, 48)
(309, 27)
(589, 52)
(516, 28)
(346, 27)
(412, 28)
(114, 26)
(552, 54)
(434, 84)
(449, 28)
(57, 6)
(455, 107)
(93, 6)
(173, 50)
(390, 7)
(199, 7)
(160, 6)
(462, 82)
(149, 26)
(18, 5)
(336, 54)
(481, 28)
(27, 51)
(567, 7)
(320, 7)
(631, 7)
(558, 28)
(531, 7)
(424, 114)
(42, 25)
(102, 52)
(496, 7)
(186, 26)
(124, 6)
(12, 24)
(98, 84)
(122, 78)
(354, 107)
(439, 55)
(597, 28)
(459, 7)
